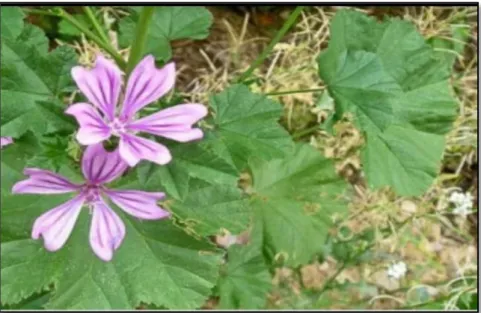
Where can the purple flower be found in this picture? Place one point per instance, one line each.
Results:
(102, 87)
(107, 230)
(5, 141)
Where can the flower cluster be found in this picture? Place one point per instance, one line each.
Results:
(100, 119)
(463, 203)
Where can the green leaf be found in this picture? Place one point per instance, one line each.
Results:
(212, 208)
(246, 124)
(13, 160)
(396, 87)
(202, 161)
(168, 23)
(31, 83)
(172, 178)
(11, 22)
(468, 301)
(403, 151)
(295, 200)
(66, 28)
(52, 155)
(430, 109)
(198, 160)
(157, 263)
(246, 280)
(34, 37)
(451, 48)
(202, 185)
(360, 85)
(402, 50)
(34, 302)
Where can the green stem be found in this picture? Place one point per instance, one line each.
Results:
(117, 57)
(287, 25)
(279, 93)
(331, 279)
(39, 12)
(96, 24)
(341, 268)
(141, 31)
(304, 132)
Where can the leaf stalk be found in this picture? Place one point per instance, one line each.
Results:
(96, 24)
(287, 25)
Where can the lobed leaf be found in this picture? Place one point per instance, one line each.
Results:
(295, 201)
(398, 90)
(247, 124)
(245, 280)
(168, 23)
(32, 80)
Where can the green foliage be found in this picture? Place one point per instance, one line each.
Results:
(398, 90)
(213, 207)
(51, 154)
(168, 23)
(34, 302)
(451, 48)
(196, 160)
(246, 124)
(11, 22)
(468, 301)
(157, 263)
(65, 28)
(385, 74)
(32, 80)
(245, 280)
(295, 201)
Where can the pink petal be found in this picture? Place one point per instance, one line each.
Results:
(147, 84)
(173, 123)
(101, 85)
(43, 182)
(140, 204)
(93, 128)
(55, 226)
(100, 166)
(107, 231)
(5, 141)
(133, 149)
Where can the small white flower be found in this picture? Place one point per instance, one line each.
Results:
(397, 270)
(463, 210)
(463, 203)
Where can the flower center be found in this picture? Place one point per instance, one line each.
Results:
(92, 193)
(117, 127)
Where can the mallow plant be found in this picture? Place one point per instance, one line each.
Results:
(128, 220)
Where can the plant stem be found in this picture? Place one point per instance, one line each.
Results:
(332, 278)
(304, 132)
(39, 12)
(141, 31)
(118, 58)
(287, 25)
(343, 266)
(98, 28)
(279, 93)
